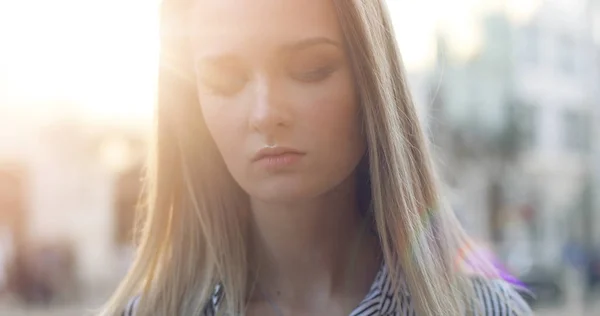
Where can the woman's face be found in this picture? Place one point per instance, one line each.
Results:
(275, 73)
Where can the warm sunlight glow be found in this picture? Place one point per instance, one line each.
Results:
(98, 54)
(522, 10)
(416, 24)
(102, 55)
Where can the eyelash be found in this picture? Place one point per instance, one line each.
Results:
(230, 86)
(315, 75)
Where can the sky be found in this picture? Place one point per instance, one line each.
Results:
(101, 55)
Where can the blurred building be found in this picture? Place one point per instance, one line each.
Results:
(554, 74)
(517, 122)
(63, 181)
(594, 12)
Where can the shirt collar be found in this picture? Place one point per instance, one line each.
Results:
(380, 298)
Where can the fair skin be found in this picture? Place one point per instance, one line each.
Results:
(275, 72)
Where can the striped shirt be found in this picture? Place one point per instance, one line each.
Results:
(498, 298)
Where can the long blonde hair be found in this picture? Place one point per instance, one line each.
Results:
(194, 221)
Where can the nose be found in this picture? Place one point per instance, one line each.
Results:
(269, 111)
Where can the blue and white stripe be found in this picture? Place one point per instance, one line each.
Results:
(497, 298)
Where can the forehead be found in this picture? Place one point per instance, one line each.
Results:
(240, 24)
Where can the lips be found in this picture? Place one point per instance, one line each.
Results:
(276, 153)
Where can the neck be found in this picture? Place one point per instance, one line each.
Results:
(305, 250)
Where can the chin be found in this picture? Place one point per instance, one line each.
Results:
(284, 192)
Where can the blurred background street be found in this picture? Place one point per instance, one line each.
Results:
(508, 90)
(574, 305)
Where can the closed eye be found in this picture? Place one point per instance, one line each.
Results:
(222, 76)
(314, 75)
(315, 63)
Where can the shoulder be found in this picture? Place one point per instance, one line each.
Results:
(497, 297)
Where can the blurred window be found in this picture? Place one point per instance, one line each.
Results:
(530, 46)
(566, 53)
(529, 125)
(526, 117)
(576, 131)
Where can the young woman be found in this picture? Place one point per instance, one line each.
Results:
(290, 175)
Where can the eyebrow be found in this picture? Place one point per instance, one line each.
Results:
(295, 46)
(226, 59)
(309, 42)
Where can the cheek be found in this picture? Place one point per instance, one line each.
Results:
(334, 117)
(338, 118)
(223, 126)
(334, 129)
